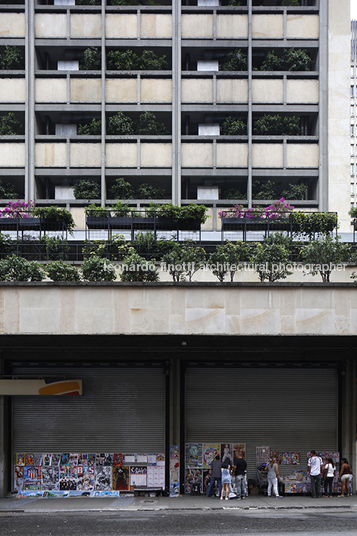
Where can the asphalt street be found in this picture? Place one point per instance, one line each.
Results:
(181, 523)
(182, 516)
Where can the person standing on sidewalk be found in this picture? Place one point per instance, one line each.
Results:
(314, 468)
(215, 476)
(273, 477)
(226, 478)
(239, 468)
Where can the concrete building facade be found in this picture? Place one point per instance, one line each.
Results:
(195, 90)
(157, 359)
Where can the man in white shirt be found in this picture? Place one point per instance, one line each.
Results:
(314, 469)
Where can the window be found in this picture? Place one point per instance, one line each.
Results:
(352, 91)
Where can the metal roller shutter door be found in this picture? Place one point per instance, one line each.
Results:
(121, 410)
(286, 409)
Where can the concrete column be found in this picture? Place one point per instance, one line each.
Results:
(4, 452)
(348, 409)
(30, 101)
(176, 103)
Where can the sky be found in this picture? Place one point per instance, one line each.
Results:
(354, 9)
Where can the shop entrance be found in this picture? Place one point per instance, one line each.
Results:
(290, 410)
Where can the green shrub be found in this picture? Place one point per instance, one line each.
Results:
(7, 191)
(96, 211)
(121, 189)
(12, 58)
(120, 125)
(321, 255)
(9, 125)
(296, 59)
(115, 249)
(264, 190)
(57, 214)
(277, 126)
(92, 59)
(234, 193)
(295, 191)
(148, 247)
(121, 210)
(290, 2)
(270, 260)
(122, 61)
(292, 59)
(233, 127)
(98, 269)
(60, 271)
(149, 61)
(87, 190)
(184, 260)
(227, 259)
(235, 61)
(136, 268)
(149, 126)
(94, 128)
(88, 2)
(15, 268)
(186, 213)
(54, 247)
(146, 191)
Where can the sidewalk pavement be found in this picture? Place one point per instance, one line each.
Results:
(186, 502)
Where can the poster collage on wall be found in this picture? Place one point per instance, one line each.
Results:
(87, 474)
(174, 470)
(198, 459)
(298, 481)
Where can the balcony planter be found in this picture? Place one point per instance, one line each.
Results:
(52, 224)
(97, 222)
(9, 223)
(134, 222)
(29, 224)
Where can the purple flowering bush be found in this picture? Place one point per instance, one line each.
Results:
(17, 209)
(278, 209)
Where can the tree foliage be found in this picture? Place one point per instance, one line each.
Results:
(94, 128)
(61, 271)
(274, 124)
(147, 191)
(233, 127)
(292, 59)
(120, 124)
(92, 59)
(148, 125)
(86, 190)
(136, 268)
(127, 60)
(121, 189)
(295, 191)
(184, 260)
(7, 191)
(12, 58)
(228, 259)
(10, 126)
(270, 259)
(98, 269)
(235, 61)
(322, 255)
(14, 268)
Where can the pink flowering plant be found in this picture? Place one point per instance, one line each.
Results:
(278, 209)
(17, 209)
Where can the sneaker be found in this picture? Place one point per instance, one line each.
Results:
(226, 498)
(238, 498)
(279, 496)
